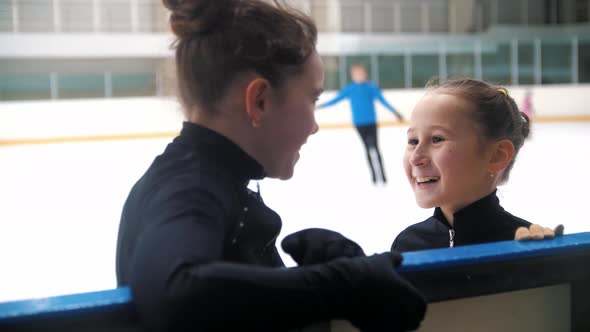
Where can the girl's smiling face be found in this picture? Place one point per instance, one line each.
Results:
(447, 160)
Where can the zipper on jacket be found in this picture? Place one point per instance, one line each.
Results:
(451, 237)
(258, 191)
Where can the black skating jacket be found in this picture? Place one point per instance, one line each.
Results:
(482, 221)
(197, 249)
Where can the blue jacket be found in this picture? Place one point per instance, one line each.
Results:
(361, 96)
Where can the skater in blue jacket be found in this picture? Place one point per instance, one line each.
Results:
(362, 94)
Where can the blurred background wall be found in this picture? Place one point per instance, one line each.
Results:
(61, 49)
(110, 50)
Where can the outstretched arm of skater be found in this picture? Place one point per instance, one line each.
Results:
(379, 95)
(342, 94)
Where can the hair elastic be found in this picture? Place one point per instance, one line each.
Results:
(503, 91)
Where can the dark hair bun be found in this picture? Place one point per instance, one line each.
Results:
(197, 17)
(526, 125)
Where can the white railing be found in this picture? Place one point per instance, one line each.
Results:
(356, 16)
(66, 16)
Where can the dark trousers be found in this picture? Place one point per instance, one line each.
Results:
(368, 134)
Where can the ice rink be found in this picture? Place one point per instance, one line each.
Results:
(60, 203)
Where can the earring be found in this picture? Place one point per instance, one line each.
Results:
(492, 175)
(255, 123)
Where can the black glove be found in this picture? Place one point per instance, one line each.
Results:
(316, 245)
(368, 292)
(394, 304)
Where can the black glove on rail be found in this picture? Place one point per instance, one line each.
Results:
(317, 245)
(386, 302)
(367, 291)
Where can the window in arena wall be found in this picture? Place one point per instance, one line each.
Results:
(36, 16)
(6, 13)
(133, 84)
(556, 61)
(526, 62)
(424, 68)
(352, 16)
(115, 16)
(584, 62)
(76, 16)
(80, 85)
(391, 71)
(495, 61)
(331, 72)
(24, 86)
(460, 64)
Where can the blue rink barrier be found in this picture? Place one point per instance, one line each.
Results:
(553, 275)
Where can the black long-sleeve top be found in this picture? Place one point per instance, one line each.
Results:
(482, 221)
(185, 221)
(197, 248)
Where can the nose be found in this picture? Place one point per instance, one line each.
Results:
(419, 157)
(315, 127)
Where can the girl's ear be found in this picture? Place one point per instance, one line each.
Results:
(257, 100)
(501, 157)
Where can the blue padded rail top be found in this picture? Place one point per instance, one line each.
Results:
(66, 303)
(425, 260)
(436, 259)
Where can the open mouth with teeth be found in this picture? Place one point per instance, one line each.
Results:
(427, 179)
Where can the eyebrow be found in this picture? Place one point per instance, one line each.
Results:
(439, 128)
(434, 127)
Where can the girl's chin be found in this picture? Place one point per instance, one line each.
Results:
(425, 204)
